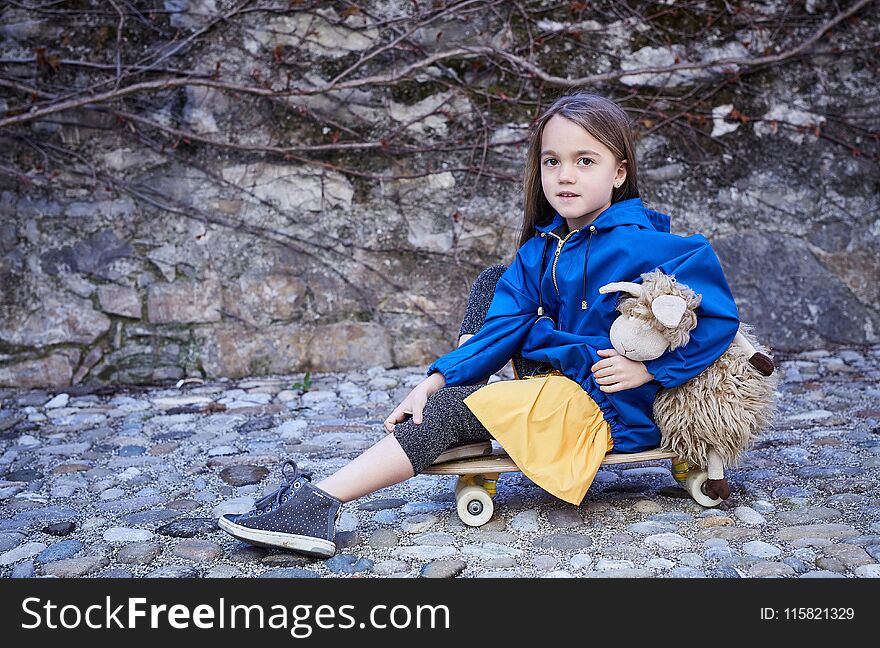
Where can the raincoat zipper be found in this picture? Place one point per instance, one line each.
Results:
(556, 255)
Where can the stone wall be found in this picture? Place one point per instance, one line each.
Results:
(143, 260)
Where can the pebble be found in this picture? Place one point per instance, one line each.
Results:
(188, 527)
(75, 567)
(434, 539)
(382, 504)
(122, 534)
(387, 516)
(59, 551)
(392, 567)
(285, 559)
(343, 563)
(768, 569)
(607, 564)
(425, 553)
(348, 521)
(799, 566)
(174, 571)
(565, 518)
(690, 559)
(499, 562)
(828, 531)
(761, 549)
(668, 541)
(868, 571)
(139, 553)
(23, 570)
(154, 516)
(716, 553)
(222, 571)
(419, 508)
(581, 561)
(23, 552)
(671, 516)
(198, 550)
(383, 538)
(525, 521)
(245, 553)
(748, 516)
(763, 506)
(418, 523)
(235, 506)
(647, 507)
(621, 573)
(544, 562)
(851, 556)
(724, 572)
(807, 515)
(651, 527)
(563, 542)
(490, 550)
(10, 541)
(60, 400)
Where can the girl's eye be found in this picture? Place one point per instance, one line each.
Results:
(554, 161)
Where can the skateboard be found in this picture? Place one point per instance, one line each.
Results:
(478, 466)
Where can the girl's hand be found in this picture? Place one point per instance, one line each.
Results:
(414, 403)
(616, 372)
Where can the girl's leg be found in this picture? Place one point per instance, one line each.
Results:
(412, 448)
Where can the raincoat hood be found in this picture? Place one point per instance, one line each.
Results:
(624, 212)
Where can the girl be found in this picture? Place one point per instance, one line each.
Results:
(584, 226)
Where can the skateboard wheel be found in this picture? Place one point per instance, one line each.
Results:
(474, 505)
(694, 486)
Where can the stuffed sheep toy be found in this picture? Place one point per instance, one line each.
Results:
(713, 417)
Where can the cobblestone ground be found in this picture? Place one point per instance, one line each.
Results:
(130, 483)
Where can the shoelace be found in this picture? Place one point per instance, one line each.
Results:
(276, 498)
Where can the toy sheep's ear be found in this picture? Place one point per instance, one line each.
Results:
(633, 289)
(668, 309)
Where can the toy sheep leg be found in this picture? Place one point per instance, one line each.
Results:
(716, 485)
(758, 360)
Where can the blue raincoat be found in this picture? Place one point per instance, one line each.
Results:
(560, 272)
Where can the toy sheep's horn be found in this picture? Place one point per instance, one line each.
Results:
(668, 309)
(633, 289)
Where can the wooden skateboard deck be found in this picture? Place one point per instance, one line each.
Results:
(479, 458)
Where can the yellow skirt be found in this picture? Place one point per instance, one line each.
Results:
(550, 427)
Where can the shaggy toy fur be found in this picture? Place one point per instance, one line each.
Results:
(724, 408)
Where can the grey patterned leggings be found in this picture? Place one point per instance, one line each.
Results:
(447, 421)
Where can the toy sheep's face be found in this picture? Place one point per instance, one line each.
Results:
(657, 317)
(632, 338)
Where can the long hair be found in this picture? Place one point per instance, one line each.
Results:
(601, 118)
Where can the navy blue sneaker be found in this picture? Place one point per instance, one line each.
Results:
(298, 516)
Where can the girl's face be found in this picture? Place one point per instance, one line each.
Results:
(578, 172)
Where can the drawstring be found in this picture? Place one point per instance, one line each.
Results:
(541, 276)
(586, 258)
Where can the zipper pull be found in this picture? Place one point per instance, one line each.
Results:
(540, 310)
(584, 305)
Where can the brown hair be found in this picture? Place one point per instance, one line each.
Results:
(601, 118)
